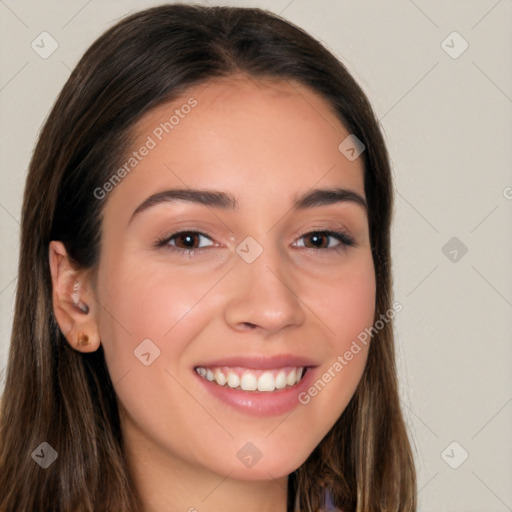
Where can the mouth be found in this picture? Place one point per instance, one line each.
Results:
(257, 385)
(268, 380)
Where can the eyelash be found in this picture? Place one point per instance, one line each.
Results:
(344, 239)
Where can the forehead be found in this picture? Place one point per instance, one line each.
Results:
(264, 139)
(241, 94)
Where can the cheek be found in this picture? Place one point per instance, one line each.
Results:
(138, 305)
(347, 303)
(355, 306)
(145, 300)
(150, 318)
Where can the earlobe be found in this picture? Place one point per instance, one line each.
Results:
(83, 340)
(72, 306)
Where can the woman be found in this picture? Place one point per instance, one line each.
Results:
(149, 371)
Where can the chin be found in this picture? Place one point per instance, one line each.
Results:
(264, 468)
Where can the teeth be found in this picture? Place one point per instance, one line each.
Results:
(280, 380)
(266, 382)
(249, 382)
(220, 378)
(253, 380)
(233, 380)
(292, 377)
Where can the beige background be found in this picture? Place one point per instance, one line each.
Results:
(448, 125)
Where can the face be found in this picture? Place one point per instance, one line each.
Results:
(246, 288)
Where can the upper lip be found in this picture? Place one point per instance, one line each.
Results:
(256, 362)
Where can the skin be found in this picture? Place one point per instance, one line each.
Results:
(265, 142)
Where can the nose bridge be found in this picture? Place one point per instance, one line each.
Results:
(263, 293)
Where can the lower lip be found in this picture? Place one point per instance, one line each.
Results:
(260, 403)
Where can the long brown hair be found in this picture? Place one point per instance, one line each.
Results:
(58, 395)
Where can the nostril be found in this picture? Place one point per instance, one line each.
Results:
(248, 324)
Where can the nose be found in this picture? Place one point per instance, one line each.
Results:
(261, 295)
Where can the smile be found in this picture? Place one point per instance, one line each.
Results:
(247, 379)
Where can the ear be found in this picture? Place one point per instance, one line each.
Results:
(73, 300)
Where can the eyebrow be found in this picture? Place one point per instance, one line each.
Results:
(225, 201)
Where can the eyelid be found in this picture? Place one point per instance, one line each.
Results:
(339, 232)
(344, 237)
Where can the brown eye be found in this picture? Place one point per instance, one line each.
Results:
(318, 239)
(183, 241)
(189, 240)
(321, 240)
